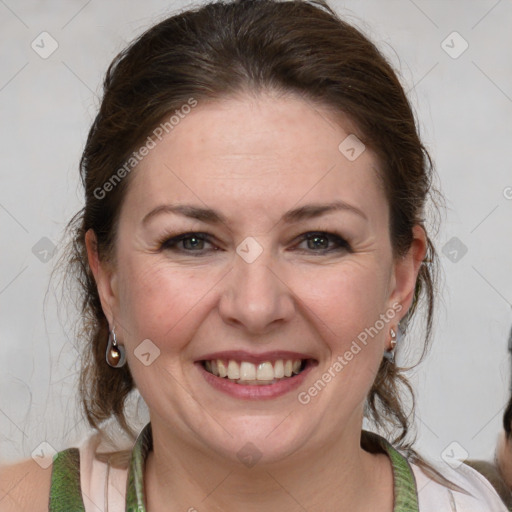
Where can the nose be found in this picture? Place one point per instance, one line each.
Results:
(256, 296)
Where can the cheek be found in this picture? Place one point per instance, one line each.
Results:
(345, 300)
(157, 302)
(348, 305)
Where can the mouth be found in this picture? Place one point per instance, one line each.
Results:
(250, 376)
(263, 373)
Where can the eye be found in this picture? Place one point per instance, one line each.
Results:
(190, 242)
(322, 242)
(319, 242)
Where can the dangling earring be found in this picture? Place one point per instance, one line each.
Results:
(390, 354)
(116, 354)
(393, 338)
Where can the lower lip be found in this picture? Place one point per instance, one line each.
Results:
(255, 392)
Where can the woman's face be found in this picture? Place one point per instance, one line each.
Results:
(255, 290)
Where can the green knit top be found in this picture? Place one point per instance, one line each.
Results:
(66, 494)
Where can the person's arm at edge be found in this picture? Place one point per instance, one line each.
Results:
(24, 487)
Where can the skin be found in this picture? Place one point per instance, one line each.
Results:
(253, 158)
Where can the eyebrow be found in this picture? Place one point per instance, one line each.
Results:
(211, 216)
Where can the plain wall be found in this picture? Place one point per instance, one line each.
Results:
(464, 107)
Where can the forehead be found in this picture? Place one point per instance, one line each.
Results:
(262, 154)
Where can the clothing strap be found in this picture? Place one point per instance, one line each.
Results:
(135, 500)
(406, 495)
(65, 491)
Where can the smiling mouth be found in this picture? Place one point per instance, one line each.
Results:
(261, 374)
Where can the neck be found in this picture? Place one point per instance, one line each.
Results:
(339, 476)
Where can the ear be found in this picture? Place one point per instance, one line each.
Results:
(105, 277)
(406, 269)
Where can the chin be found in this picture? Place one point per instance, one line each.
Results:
(257, 439)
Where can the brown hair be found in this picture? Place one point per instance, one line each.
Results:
(223, 49)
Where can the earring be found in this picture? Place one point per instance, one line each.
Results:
(393, 338)
(390, 353)
(116, 354)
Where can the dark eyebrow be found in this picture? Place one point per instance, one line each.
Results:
(311, 211)
(213, 217)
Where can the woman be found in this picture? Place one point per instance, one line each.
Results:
(252, 244)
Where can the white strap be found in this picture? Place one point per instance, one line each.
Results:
(103, 484)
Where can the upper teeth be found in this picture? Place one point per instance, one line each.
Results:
(246, 371)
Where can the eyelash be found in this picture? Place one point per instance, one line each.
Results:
(170, 244)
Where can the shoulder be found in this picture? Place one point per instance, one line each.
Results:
(476, 493)
(81, 474)
(28, 485)
(25, 486)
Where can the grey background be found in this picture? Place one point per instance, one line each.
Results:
(464, 106)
